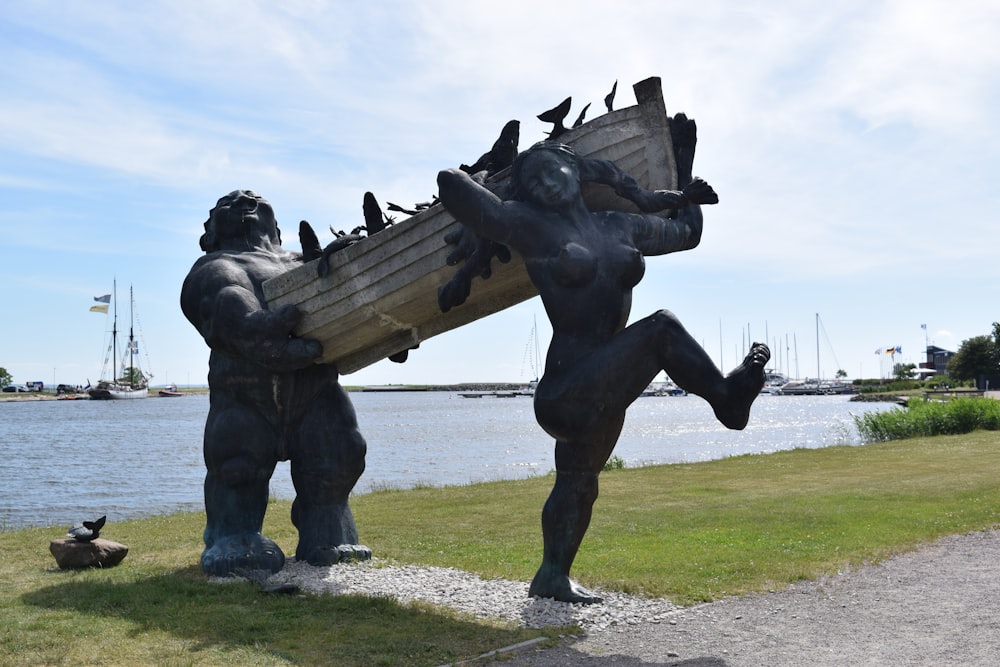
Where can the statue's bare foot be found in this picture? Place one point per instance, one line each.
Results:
(331, 555)
(743, 386)
(561, 588)
(233, 553)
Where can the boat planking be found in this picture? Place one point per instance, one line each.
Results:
(379, 297)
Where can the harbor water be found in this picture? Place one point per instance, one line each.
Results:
(65, 461)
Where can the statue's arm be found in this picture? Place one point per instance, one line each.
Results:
(610, 174)
(475, 206)
(220, 301)
(655, 235)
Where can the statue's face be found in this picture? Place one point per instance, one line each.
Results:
(244, 213)
(549, 179)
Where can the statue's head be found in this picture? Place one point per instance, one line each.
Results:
(545, 174)
(240, 220)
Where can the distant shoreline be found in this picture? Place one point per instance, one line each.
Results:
(465, 386)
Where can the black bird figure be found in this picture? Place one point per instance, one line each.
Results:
(417, 208)
(311, 249)
(399, 209)
(87, 531)
(501, 155)
(374, 222)
(342, 241)
(423, 205)
(556, 116)
(609, 100)
(583, 113)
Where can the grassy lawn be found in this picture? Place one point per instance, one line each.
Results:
(690, 532)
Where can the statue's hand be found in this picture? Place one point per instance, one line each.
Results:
(465, 241)
(273, 344)
(700, 192)
(477, 252)
(455, 291)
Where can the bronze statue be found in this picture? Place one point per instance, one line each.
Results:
(585, 265)
(269, 401)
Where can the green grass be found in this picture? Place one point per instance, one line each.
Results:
(158, 608)
(690, 532)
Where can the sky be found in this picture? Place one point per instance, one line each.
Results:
(854, 147)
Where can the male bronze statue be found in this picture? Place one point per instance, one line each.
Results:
(270, 401)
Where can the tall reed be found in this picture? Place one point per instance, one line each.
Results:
(922, 417)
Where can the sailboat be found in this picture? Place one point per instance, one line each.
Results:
(534, 358)
(817, 386)
(127, 381)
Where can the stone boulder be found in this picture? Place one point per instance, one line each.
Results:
(71, 554)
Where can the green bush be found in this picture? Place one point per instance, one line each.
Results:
(615, 463)
(928, 418)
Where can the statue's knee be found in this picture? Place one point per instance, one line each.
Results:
(354, 451)
(330, 467)
(666, 319)
(583, 485)
(350, 457)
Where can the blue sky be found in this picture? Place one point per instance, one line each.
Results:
(854, 146)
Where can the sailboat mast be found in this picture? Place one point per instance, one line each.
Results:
(114, 333)
(538, 354)
(819, 375)
(131, 339)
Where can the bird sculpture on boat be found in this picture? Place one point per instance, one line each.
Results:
(609, 99)
(501, 155)
(556, 115)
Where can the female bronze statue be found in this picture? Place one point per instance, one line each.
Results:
(585, 265)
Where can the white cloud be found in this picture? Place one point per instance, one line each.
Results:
(851, 136)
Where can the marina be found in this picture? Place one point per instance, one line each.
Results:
(63, 461)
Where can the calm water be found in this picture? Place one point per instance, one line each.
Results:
(64, 461)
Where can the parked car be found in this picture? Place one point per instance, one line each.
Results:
(15, 388)
(66, 389)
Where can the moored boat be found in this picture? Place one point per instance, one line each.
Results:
(799, 388)
(170, 391)
(773, 382)
(128, 379)
(379, 297)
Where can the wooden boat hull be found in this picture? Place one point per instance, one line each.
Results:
(380, 295)
(117, 395)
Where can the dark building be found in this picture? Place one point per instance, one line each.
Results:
(937, 359)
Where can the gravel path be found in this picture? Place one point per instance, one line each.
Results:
(937, 606)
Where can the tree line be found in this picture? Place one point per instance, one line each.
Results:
(976, 357)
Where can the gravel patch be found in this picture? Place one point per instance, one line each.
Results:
(469, 594)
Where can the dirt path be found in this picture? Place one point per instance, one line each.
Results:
(937, 606)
